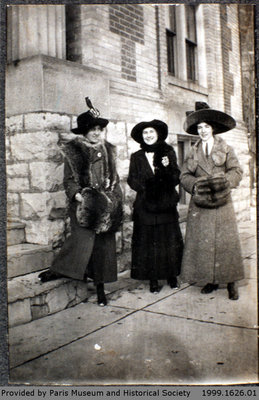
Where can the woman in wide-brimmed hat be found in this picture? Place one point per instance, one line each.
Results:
(95, 206)
(157, 241)
(212, 253)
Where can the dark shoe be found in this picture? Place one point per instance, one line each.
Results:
(101, 298)
(154, 287)
(173, 282)
(232, 291)
(209, 288)
(47, 276)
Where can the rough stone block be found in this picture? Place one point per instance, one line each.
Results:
(81, 291)
(25, 258)
(8, 155)
(130, 195)
(13, 210)
(127, 212)
(59, 298)
(124, 261)
(44, 231)
(127, 235)
(17, 170)
(34, 146)
(49, 121)
(27, 293)
(57, 205)
(19, 312)
(116, 133)
(39, 311)
(34, 205)
(123, 168)
(46, 176)
(183, 229)
(40, 205)
(39, 308)
(18, 185)
(14, 124)
(118, 236)
(132, 146)
(15, 233)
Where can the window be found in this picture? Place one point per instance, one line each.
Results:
(171, 41)
(182, 43)
(191, 42)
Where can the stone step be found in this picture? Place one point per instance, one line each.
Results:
(29, 299)
(25, 258)
(15, 233)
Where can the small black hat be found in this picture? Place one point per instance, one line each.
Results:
(89, 119)
(220, 121)
(159, 126)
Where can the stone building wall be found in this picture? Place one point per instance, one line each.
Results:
(126, 77)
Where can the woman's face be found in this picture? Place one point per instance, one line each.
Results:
(205, 131)
(94, 134)
(150, 135)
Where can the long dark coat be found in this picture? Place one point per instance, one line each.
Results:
(157, 241)
(212, 249)
(86, 253)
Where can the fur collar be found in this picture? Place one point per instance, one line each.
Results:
(80, 154)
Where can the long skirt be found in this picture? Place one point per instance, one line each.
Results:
(156, 251)
(87, 254)
(212, 252)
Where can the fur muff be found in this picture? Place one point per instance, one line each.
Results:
(212, 191)
(100, 211)
(160, 193)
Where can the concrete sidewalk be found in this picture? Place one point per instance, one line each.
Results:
(178, 336)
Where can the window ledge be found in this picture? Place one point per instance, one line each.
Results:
(194, 87)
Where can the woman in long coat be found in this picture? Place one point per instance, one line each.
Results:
(212, 254)
(95, 207)
(157, 241)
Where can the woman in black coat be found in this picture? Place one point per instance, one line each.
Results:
(95, 206)
(157, 243)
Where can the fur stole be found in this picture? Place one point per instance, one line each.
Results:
(80, 154)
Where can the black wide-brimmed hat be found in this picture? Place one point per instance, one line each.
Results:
(159, 126)
(220, 121)
(89, 120)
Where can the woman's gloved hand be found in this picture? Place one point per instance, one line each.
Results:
(79, 197)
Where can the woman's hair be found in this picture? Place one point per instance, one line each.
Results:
(213, 125)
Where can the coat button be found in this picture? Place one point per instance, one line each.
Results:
(99, 154)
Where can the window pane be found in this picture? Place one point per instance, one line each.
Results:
(190, 60)
(171, 51)
(172, 19)
(190, 23)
